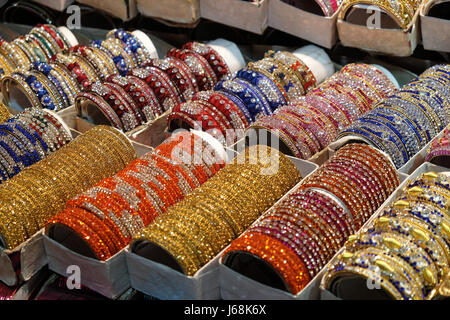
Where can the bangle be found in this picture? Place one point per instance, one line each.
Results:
(204, 74)
(214, 59)
(161, 85)
(132, 44)
(301, 70)
(144, 98)
(179, 73)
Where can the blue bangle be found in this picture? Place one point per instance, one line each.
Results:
(252, 102)
(119, 60)
(402, 130)
(394, 115)
(19, 150)
(237, 101)
(388, 132)
(41, 92)
(28, 139)
(46, 70)
(265, 86)
(421, 119)
(132, 44)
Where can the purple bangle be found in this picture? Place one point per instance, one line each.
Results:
(438, 152)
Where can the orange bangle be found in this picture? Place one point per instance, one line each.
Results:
(289, 266)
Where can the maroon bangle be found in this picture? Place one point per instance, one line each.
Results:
(204, 74)
(117, 103)
(102, 105)
(196, 114)
(129, 101)
(224, 105)
(181, 76)
(162, 86)
(214, 59)
(142, 95)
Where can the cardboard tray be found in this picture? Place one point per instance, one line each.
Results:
(32, 259)
(394, 42)
(426, 167)
(243, 15)
(162, 282)
(235, 286)
(150, 134)
(318, 29)
(435, 31)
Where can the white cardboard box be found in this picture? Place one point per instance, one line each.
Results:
(318, 29)
(32, 259)
(405, 180)
(435, 31)
(386, 41)
(109, 278)
(150, 134)
(243, 15)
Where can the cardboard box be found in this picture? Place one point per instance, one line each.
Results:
(58, 5)
(109, 278)
(435, 31)
(150, 134)
(180, 11)
(302, 23)
(32, 259)
(392, 41)
(163, 282)
(243, 15)
(235, 286)
(405, 180)
(125, 9)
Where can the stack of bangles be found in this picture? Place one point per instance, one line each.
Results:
(196, 229)
(39, 45)
(328, 7)
(439, 151)
(403, 124)
(310, 123)
(301, 233)
(401, 11)
(158, 85)
(259, 89)
(54, 83)
(40, 191)
(4, 113)
(405, 251)
(107, 215)
(29, 137)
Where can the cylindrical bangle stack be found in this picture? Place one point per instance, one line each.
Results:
(259, 89)
(301, 233)
(107, 215)
(196, 229)
(402, 124)
(40, 191)
(405, 252)
(133, 98)
(402, 11)
(27, 138)
(439, 151)
(39, 45)
(311, 123)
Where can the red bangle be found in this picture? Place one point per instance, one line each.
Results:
(179, 73)
(144, 97)
(162, 86)
(214, 59)
(204, 74)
